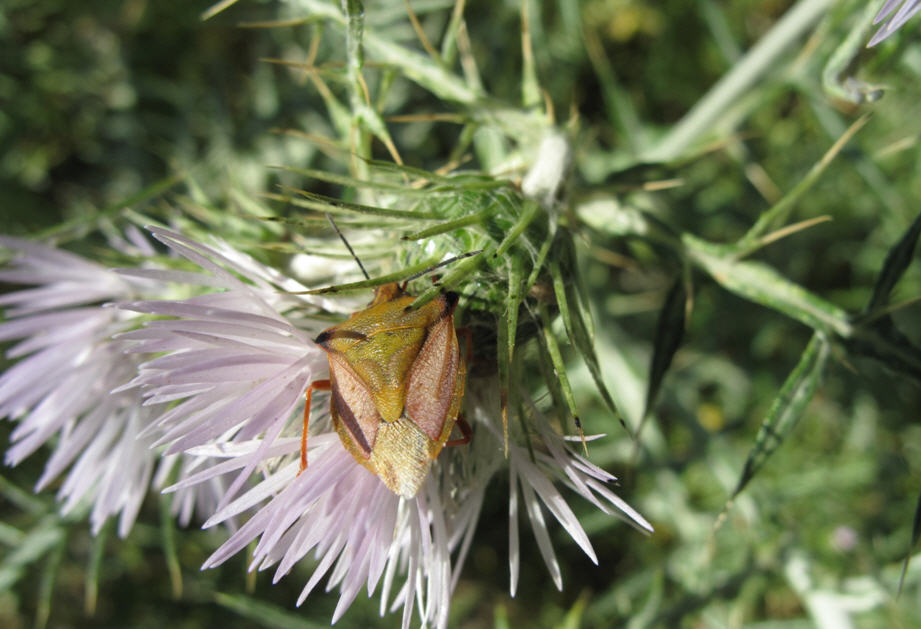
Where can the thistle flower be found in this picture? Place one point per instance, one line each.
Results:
(59, 388)
(67, 386)
(894, 18)
(235, 366)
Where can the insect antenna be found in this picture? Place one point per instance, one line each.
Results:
(348, 246)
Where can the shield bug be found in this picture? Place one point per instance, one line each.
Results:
(397, 384)
(396, 377)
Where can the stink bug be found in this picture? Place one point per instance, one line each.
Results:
(396, 378)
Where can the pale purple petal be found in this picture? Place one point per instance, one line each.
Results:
(60, 386)
(541, 535)
(905, 12)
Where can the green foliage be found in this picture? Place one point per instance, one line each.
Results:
(681, 280)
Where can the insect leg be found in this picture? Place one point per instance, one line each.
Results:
(465, 429)
(316, 385)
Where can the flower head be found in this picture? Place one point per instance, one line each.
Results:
(60, 386)
(234, 365)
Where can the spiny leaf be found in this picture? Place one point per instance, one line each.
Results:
(559, 368)
(302, 247)
(528, 212)
(502, 359)
(309, 222)
(455, 276)
(396, 276)
(505, 341)
(669, 333)
(513, 301)
(577, 330)
(352, 182)
(897, 261)
(787, 408)
(453, 180)
(323, 203)
(416, 67)
(538, 264)
(762, 284)
(449, 226)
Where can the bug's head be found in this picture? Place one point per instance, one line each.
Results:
(388, 292)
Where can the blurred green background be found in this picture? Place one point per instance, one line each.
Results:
(103, 100)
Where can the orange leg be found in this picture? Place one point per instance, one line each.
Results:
(316, 385)
(466, 431)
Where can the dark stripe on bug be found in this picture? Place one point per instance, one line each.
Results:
(351, 424)
(328, 335)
